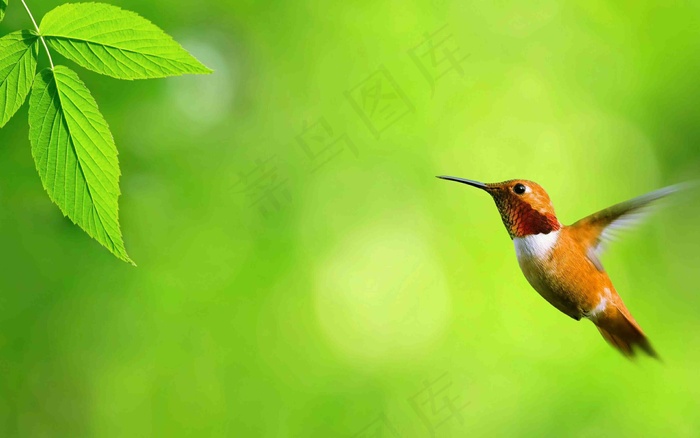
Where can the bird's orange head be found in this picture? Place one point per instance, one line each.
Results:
(524, 205)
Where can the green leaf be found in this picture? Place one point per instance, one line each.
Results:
(75, 155)
(18, 54)
(115, 42)
(3, 6)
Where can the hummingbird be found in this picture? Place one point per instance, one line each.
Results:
(562, 262)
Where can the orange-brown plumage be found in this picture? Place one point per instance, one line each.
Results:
(561, 262)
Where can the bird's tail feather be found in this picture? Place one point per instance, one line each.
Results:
(623, 333)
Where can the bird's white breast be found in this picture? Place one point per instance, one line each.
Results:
(535, 246)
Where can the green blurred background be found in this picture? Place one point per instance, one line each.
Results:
(301, 273)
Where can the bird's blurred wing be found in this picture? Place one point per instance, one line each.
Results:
(603, 227)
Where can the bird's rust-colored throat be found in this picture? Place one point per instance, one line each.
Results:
(524, 205)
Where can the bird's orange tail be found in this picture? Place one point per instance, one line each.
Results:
(622, 332)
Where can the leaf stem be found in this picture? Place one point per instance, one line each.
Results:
(39, 33)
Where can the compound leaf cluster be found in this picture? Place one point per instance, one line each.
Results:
(71, 143)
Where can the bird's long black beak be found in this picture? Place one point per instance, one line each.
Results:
(469, 182)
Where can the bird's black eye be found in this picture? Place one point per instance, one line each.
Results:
(519, 189)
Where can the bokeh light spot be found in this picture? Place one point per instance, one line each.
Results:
(381, 297)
